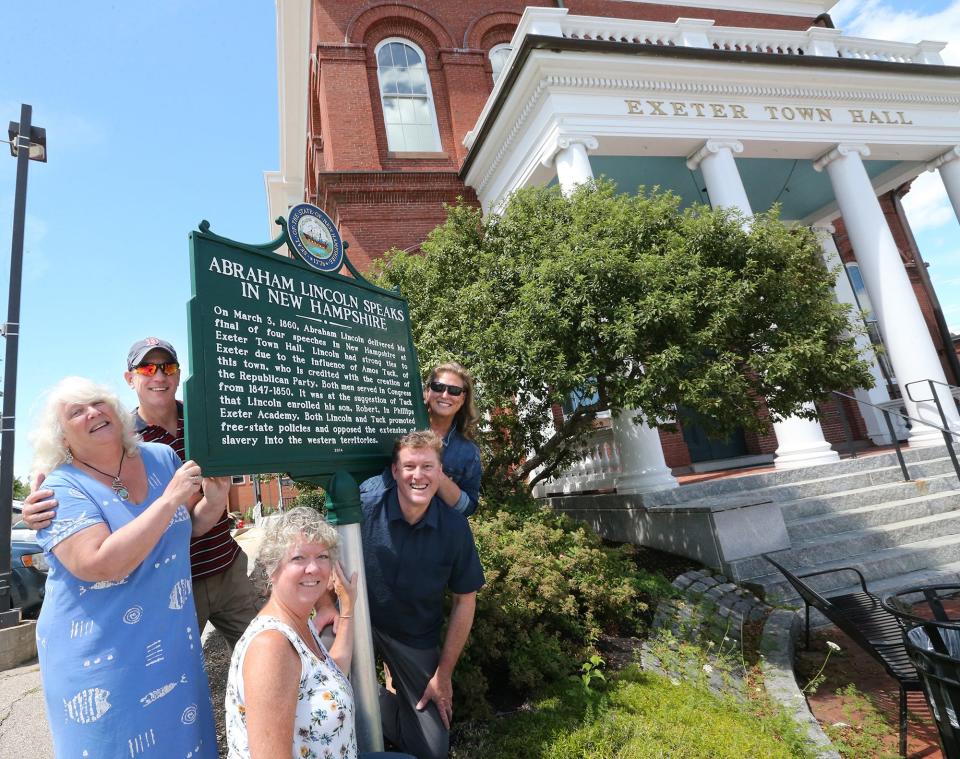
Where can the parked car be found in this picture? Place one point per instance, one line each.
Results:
(29, 570)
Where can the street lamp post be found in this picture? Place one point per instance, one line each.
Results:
(27, 143)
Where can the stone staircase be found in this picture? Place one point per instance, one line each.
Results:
(856, 512)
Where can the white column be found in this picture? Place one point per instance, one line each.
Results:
(948, 165)
(641, 456)
(901, 322)
(801, 441)
(568, 154)
(843, 291)
(716, 163)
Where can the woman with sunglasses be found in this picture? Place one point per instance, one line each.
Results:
(448, 396)
(117, 637)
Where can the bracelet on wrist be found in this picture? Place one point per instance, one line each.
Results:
(346, 616)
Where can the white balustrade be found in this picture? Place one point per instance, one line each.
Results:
(685, 32)
(597, 469)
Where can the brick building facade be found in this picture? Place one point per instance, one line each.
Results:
(349, 107)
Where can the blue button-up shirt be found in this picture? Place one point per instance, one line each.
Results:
(410, 567)
(461, 463)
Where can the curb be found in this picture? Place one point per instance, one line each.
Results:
(777, 644)
(18, 644)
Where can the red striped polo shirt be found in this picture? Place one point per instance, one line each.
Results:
(214, 551)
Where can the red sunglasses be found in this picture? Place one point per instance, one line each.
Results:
(148, 370)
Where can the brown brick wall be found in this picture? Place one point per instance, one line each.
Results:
(671, 12)
(831, 421)
(345, 115)
(675, 451)
(241, 498)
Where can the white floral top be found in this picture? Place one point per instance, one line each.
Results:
(324, 724)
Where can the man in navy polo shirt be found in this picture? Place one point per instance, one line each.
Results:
(415, 548)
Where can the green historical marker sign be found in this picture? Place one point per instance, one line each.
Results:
(295, 367)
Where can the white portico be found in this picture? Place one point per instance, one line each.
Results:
(816, 121)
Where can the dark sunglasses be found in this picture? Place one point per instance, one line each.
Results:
(148, 370)
(440, 387)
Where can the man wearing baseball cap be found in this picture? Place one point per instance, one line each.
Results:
(221, 590)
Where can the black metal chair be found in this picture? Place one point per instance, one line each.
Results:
(932, 640)
(863, 618)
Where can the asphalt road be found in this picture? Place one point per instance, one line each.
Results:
(23, 718)
(23, 721)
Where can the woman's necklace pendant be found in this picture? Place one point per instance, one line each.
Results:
(119, 488)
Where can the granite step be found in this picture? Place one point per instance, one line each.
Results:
(885, 568)
(869, 495)
(887, 512)
(819, 552)
(877, 469)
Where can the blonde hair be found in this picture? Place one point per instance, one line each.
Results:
(466, 419)
(417, 441)
(299, 523)
(49, 444)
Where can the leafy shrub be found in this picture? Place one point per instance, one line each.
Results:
(311, 496)
(552, 589)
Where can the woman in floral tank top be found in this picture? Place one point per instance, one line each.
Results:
(287, 695)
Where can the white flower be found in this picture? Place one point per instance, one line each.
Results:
(832, 646)
(710, 644)
(674, 681)
(840, 724)
(707, 668)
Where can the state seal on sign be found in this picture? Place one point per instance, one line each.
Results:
(315, 238)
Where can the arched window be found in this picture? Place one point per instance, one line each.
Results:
(408, 112)
(498, 59)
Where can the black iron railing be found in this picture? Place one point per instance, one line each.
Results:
(948, 435)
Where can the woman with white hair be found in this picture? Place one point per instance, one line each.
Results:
(287, 695)
(117, 637)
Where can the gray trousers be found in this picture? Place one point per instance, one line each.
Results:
(420, 733)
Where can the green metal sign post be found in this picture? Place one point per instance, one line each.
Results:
(298, 368)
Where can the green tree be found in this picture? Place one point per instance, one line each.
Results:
(630, 302)
(21, 489)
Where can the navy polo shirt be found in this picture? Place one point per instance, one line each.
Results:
(410, 567)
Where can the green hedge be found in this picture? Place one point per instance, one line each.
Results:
(552, 589)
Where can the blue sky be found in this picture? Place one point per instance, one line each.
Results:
(161, 114)
(157, 115)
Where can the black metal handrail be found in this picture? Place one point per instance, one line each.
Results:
(947, 434)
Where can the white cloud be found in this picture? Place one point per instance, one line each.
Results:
(927, 204)
(882, 19)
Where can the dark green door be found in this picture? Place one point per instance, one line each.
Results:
(704, 448)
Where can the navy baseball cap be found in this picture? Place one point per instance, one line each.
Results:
(142, 347)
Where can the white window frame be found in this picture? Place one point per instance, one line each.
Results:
(238, 479)
(437, 146)
(496, 49)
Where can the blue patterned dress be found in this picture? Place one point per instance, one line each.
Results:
(121, 662)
